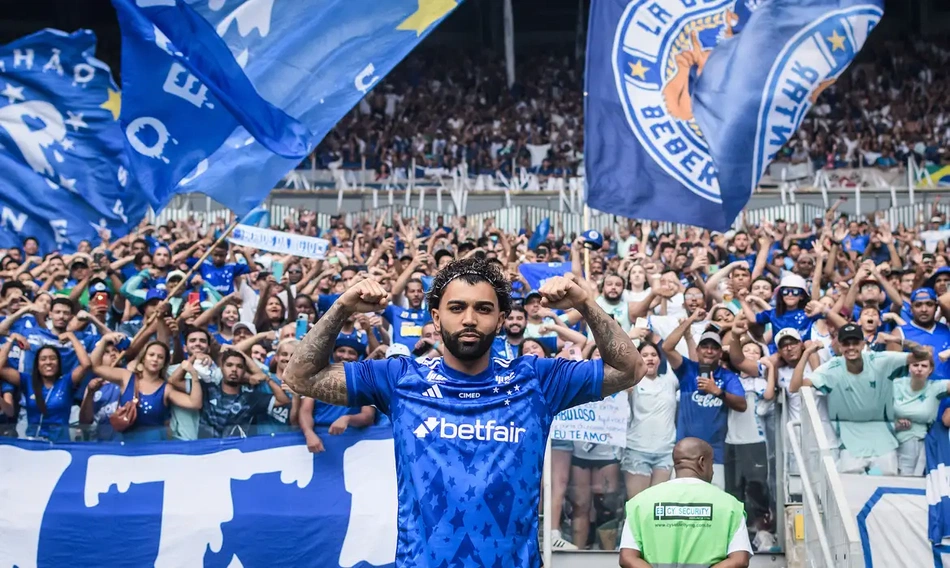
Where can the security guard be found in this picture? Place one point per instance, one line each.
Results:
(686, 522)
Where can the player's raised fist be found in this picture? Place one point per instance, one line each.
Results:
(563, 292)
(364, 297)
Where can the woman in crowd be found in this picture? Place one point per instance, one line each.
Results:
(48, 391)
(651, 433)
(271, 311)
(144, 385)
(916, 399)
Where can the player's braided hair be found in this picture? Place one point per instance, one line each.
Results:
(472, 270)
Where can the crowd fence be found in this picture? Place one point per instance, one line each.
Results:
(831, 531)
(515, 218)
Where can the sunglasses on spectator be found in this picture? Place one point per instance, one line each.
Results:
(792, 292)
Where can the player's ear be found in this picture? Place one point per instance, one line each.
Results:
(501, 322)
(434, 313)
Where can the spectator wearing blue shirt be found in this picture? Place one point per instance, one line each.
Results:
(854, 241)
(743, 248)
(48, 389)
(925, 330)
(793, 307)
(336, 419)
(219, 273)
(707, 391)
(100, 400)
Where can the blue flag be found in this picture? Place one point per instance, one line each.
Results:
(540, 233)
(258, 217)
(214, 503)
(688, 102)
(937, 449)
(225, 98)
(537, 273)
(61, 150)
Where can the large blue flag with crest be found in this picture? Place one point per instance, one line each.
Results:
(688, 102)
(65, 177)
(224, 97)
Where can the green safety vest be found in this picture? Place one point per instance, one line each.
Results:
(684, 524)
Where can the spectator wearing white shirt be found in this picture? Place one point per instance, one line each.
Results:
(651, 433)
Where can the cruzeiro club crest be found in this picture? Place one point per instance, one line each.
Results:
(660, 47)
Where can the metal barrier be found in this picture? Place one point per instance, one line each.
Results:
(831, 531)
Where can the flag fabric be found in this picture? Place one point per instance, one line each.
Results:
(537, 273)
(258, 217)
(937, 450)
(688, 102)
(61, 149)
(540, 234)
(265, 80)
(222, 502)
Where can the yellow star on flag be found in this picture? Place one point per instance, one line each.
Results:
(837, 41)
(428, 13)
(638, 70)
(113, 104)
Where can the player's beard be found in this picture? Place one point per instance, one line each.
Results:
(470, 351)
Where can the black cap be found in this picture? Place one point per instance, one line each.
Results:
(850, 331)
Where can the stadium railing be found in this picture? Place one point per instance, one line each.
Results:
(831, 531)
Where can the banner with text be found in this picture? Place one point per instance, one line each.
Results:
(279, 242)
(601, 422)
(260, 501)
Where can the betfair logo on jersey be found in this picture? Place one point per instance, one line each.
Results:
(682, 512)
(489, 431)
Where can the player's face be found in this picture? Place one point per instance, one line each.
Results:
(468, 318)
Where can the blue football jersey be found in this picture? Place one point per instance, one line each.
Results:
(469, 451)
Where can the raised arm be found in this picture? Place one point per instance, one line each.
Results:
(623, 367)
(736, 356)
(309, 372)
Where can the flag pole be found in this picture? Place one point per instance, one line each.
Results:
(586, 250)
(181, 283)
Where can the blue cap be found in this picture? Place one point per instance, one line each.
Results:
(350, 340)
(923, 294)
(593, 239)
(155, 294)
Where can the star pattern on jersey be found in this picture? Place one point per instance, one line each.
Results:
(471, 498)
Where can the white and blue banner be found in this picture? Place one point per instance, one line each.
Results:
(937, 447)
(260, 501)
(688, 102)
(600, 422)
(279, 242)
(537, 273)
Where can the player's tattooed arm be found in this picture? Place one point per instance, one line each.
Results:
(623, 367)
(309, 372)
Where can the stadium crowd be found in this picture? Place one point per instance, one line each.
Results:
(172, 333)
(442, 109)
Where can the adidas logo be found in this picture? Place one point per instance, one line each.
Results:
(433, 392)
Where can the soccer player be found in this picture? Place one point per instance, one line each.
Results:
(469, 430)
